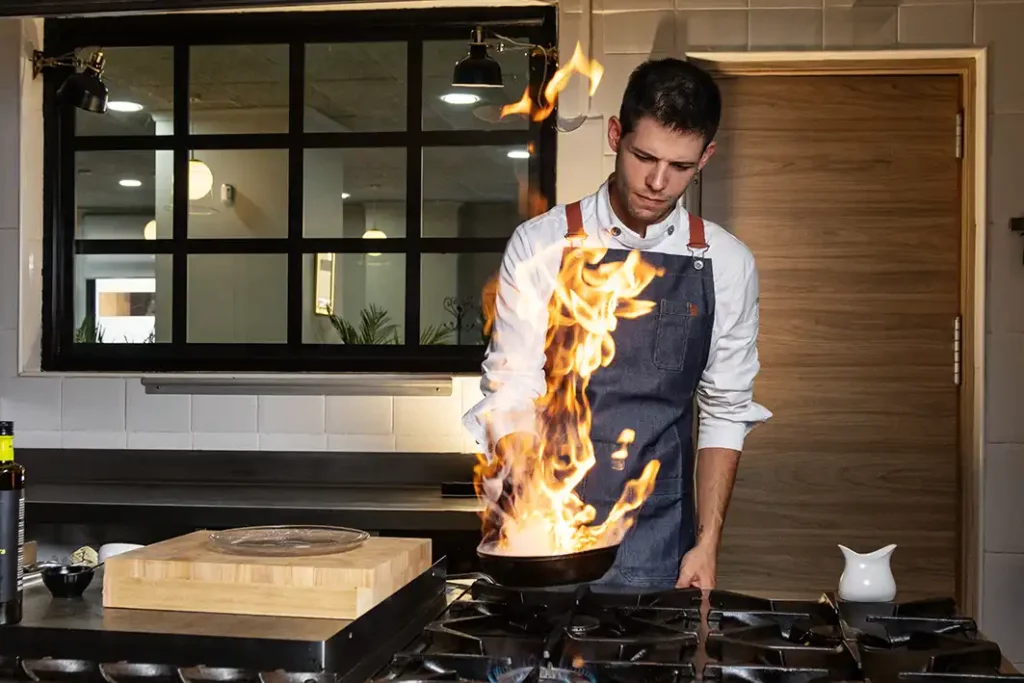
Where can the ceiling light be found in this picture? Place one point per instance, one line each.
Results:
(460, 98)
(477, 69)
(345, 195)
(200, 179)
(519, 154)
(124, 106)
(149, 232)
(129, 182)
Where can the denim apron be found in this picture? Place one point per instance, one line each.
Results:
(649, 387)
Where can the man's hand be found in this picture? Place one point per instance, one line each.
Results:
(697, 570)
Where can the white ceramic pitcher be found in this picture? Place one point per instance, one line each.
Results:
(867, 578)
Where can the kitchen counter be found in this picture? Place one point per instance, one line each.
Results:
(84, 629)
(379, 508)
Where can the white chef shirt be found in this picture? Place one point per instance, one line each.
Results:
(514, 365)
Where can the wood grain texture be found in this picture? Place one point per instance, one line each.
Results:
(188, 574)
(847, 191)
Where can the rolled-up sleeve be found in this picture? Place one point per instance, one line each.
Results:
(725, 395)
(513, 368)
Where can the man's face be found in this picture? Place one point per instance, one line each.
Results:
(653, 167)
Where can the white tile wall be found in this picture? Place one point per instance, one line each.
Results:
(223, 414)
(50, 412)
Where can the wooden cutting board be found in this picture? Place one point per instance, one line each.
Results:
(188, 574)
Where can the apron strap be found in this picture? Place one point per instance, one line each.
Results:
(574, 217)
(697, 239)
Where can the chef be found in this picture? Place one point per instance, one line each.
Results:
(700, 342)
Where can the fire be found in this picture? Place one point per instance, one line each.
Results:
(544, 515)
(590, 69)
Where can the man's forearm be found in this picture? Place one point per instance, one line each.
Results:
(716, 474)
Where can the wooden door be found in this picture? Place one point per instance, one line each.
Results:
(846, 189)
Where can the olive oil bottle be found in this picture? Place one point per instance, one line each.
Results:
(12, 528)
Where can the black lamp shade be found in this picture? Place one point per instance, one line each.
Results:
(86, 91)
(477, 69)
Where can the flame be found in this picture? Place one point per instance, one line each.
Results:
(590, 69)
(541, 514)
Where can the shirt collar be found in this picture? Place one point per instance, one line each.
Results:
(612, 229)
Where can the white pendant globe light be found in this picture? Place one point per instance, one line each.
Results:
(374, 234)
(149, 232)
(200, 179)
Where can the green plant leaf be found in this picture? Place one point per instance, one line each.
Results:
(436, 334)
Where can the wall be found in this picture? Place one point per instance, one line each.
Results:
(115, 412)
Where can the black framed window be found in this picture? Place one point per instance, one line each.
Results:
(286, 192)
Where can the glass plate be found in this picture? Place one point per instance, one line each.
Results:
(288, 541)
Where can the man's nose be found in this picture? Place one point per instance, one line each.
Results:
(657, 180)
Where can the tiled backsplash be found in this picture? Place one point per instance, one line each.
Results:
(116, 412)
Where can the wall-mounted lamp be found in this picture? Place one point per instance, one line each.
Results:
(1017, 225)
(477, 69)
(84, 88)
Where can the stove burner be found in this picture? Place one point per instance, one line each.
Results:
(540, 674)
(582, 625)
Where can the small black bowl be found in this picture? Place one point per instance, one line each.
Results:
(67, 581)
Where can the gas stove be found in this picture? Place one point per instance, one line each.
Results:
(496, 634)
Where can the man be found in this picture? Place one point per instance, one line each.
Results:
(700, 341)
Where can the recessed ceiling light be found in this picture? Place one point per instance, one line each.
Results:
(518, 154)
(123, 105)
(460, 98)
(345, 195)
(129, 182)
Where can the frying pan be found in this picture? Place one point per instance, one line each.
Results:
(542, 571)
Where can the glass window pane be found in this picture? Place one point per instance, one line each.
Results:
(474, 191)
(123, 194)
(122, 298)
(238, 193)
(353, 299)
(140, 81)
(449, 108)
(451, 296)
(237, 298)
(353, 192)
(238, 89)
(355, 87)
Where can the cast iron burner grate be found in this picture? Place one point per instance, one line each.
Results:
(540, 674)
(415, 668)
(883, 661)
(793, 648)
(529, 633)
(483, 592)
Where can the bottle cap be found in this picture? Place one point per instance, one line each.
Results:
(6, 429)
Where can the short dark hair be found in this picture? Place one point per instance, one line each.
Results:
(676, 93)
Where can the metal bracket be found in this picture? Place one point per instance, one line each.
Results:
(1017, 225)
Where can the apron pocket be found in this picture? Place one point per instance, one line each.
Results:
(676, 322)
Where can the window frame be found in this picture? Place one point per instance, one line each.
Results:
(536, 25)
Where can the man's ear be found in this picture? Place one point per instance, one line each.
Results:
(709, 151)
(614, 133)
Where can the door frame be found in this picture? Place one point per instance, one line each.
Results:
(970, 65)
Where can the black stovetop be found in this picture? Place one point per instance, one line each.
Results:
(495, 634)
